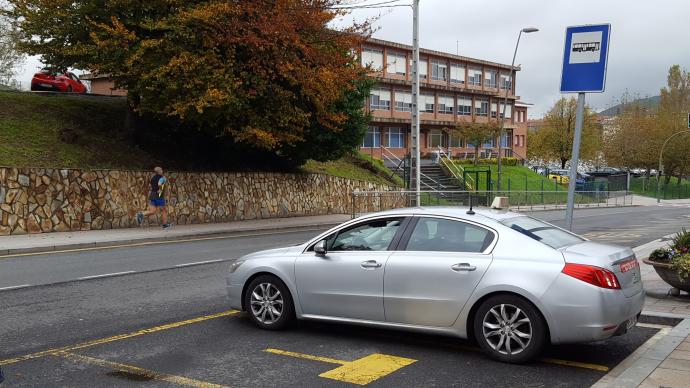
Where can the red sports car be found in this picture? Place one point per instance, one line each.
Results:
(57, 81)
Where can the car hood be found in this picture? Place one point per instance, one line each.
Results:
(272, 252)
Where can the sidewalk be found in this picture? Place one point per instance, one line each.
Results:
(46, 242)
(640, 200)
(664, 361)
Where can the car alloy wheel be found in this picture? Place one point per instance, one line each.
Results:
(510, 329)
(507, 329)
(269, 302)
(266, 303)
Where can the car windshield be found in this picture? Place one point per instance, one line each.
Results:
(542, 232)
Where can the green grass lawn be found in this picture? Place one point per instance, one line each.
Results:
(31, 124)
(647, 187)
(512, 178)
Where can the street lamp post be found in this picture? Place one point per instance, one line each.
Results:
(661, 153)
(526, 30)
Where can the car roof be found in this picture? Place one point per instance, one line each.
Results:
(452, 211)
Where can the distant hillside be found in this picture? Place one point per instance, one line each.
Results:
(650, 102)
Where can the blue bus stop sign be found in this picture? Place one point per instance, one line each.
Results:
(585, 58)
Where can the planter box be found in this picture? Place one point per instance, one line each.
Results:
(669, 275)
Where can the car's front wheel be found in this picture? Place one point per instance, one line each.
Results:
(269, 303)
(510, 329)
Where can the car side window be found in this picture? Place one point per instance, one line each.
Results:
(375, 235)
(442, 235)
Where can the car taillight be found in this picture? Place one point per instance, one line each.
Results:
(597, 276)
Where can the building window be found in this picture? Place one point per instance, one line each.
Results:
(494, 110)
(509, 111)
(397, 64)
(403, 101)
(457, 74)
(380, 99)
(464, 106)
(439, 71)
(426, 103)
(505, 82)
(435, 138)
(455, 141)
(489, 144)
(373, 58)
(491, 79)
(505, 141)
(481, 107)
(445, 104)
(396, 138)
(372, 139)
(474, 76)
(423, 68)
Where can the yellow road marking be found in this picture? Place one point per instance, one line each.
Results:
(306, 356)
(141, 244)
(139, 371)
(361, 371)
(367, 369)
(119, 337)
(576, 364)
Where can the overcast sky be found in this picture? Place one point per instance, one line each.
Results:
(647, 37)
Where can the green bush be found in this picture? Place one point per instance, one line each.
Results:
(504, 161)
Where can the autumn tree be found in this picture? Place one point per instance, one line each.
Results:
(270, 74)
(631, 138)
(477, 134)
(10, 57)
(554, 141)
(672, 118)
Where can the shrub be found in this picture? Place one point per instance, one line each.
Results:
(681, 263)
(661, 255)
(504, 161)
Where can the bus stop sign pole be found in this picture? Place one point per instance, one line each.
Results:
(574, 160)
(585, 57)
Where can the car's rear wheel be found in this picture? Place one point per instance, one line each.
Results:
(510, 329)
(269, 303)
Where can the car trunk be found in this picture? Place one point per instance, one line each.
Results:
(619, 260)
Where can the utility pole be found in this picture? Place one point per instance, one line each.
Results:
(415, 172)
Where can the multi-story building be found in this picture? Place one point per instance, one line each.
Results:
(453, 89)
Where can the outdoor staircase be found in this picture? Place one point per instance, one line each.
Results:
(434, 178)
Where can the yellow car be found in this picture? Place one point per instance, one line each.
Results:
(559, 176)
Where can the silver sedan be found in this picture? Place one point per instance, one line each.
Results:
(511, 282)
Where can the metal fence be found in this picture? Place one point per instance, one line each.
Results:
(372, 201)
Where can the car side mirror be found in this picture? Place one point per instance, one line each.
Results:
(320, 248)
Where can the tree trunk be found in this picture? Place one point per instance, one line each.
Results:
(476, 155)
(563, 162)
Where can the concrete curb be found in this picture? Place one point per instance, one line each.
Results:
(143, 240)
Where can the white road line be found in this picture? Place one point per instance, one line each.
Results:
(105, 275)
(200, 262)
(14, 287)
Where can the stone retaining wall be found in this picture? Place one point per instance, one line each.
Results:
(36, 200)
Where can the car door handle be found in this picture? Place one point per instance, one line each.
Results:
(462, 267)
(370, 264)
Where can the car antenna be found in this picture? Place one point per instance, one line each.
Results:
(470, 212)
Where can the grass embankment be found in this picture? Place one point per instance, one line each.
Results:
(513, 178)
(46, 130)
(66, 131)
(356, 166)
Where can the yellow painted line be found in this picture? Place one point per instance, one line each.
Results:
(601, 368)
(306, 356)
(149, 374)
(119, 337)
(367, 369)
(148, 243)
(361, 371)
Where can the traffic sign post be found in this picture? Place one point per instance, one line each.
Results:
(585, 57)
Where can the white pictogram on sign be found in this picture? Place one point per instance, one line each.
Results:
(585, 47)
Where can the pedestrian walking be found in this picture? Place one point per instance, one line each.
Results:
(159, 186)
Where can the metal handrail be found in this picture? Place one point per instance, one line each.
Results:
(445, 158)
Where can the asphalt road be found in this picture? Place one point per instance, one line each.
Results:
(89, 332)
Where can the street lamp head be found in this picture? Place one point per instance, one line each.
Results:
(527, 30)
